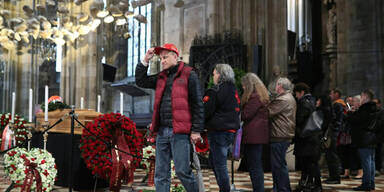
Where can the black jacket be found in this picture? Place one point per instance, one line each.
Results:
(305, 107)
(194, 96)
(338, 121)
(308, 146)
(360, 120)
(222, 108)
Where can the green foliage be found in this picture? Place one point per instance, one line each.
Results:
(177, 188)
(238, 75)
(53, 106)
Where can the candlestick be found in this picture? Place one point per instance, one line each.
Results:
(46, 104)
(98, 103)
(121, 103)
(30, 105)
(13, 107)
(82, 103)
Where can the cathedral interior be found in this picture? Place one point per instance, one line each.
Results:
(86, 51)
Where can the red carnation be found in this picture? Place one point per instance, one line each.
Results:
(42, 161)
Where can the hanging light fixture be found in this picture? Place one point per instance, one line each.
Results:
(109, 19)
(102, 13)
(121, 21)
(84, 29)
(95, 23)
(129, 14)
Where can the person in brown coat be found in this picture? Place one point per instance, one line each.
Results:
(255, 129)
(282, 116)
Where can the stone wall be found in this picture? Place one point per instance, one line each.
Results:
(261, 22)
(360, 46)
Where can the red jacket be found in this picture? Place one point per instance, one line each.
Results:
(255, 117)
(181, 115)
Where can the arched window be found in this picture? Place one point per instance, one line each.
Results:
(140, 40)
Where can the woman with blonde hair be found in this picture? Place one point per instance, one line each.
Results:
(254, 114)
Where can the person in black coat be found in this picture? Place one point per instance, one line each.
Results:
(307, 149)
(363, 134)
(222, 110)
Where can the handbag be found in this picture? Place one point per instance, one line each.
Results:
(313, 124)
(237, 144)
(344, 138)
(325, 140)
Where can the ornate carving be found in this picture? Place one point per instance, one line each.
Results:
(331, 26)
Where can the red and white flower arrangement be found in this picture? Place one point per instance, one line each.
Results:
(17, 159)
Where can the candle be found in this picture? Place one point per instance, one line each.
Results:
(82, 103)
(30, 105)
(121, 102)
(98, 103)
(46, 104)
(13, 107)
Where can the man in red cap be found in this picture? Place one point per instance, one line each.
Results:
(178, 115)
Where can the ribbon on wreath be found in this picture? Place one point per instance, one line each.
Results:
(6, 140)
(31, 173)
(121, 162)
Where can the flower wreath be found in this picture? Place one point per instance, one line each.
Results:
(149, 153)
(21, 131)
(16, 169)
(97, 155)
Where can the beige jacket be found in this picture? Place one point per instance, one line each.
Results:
(282, 118)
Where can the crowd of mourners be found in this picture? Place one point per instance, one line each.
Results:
(348, 131)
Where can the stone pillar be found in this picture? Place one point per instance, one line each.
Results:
(81, 74)
(276, 36)
(331, 46)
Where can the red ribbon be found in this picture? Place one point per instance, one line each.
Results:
(121, 162)
(32, 172)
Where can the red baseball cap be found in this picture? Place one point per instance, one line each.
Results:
(167, 46)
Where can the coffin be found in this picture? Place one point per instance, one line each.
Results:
(84, 116)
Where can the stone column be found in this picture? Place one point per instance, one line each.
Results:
(331, 47)
(81, 74)
(276, 36)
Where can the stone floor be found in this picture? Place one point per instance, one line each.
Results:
(242, 182)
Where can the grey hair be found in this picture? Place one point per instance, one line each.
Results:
(357, 97)
(226, 73)
(285, 84)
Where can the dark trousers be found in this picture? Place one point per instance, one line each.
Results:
(279, 167)
(349, 157)
(333, 161)
(367, 156)
(310, 174)
(255, 165)
(219, 143)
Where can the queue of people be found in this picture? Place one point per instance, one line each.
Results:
(313, 124)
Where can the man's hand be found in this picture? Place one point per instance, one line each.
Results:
(150, 53)
(195, 137)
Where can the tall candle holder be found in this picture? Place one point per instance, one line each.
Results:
(30, 127)
(45, 126)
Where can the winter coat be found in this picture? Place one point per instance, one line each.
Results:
(308, 146)
(187, 109)
(360, 122)
(222, 110)
(255, 117)
(282, 116)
